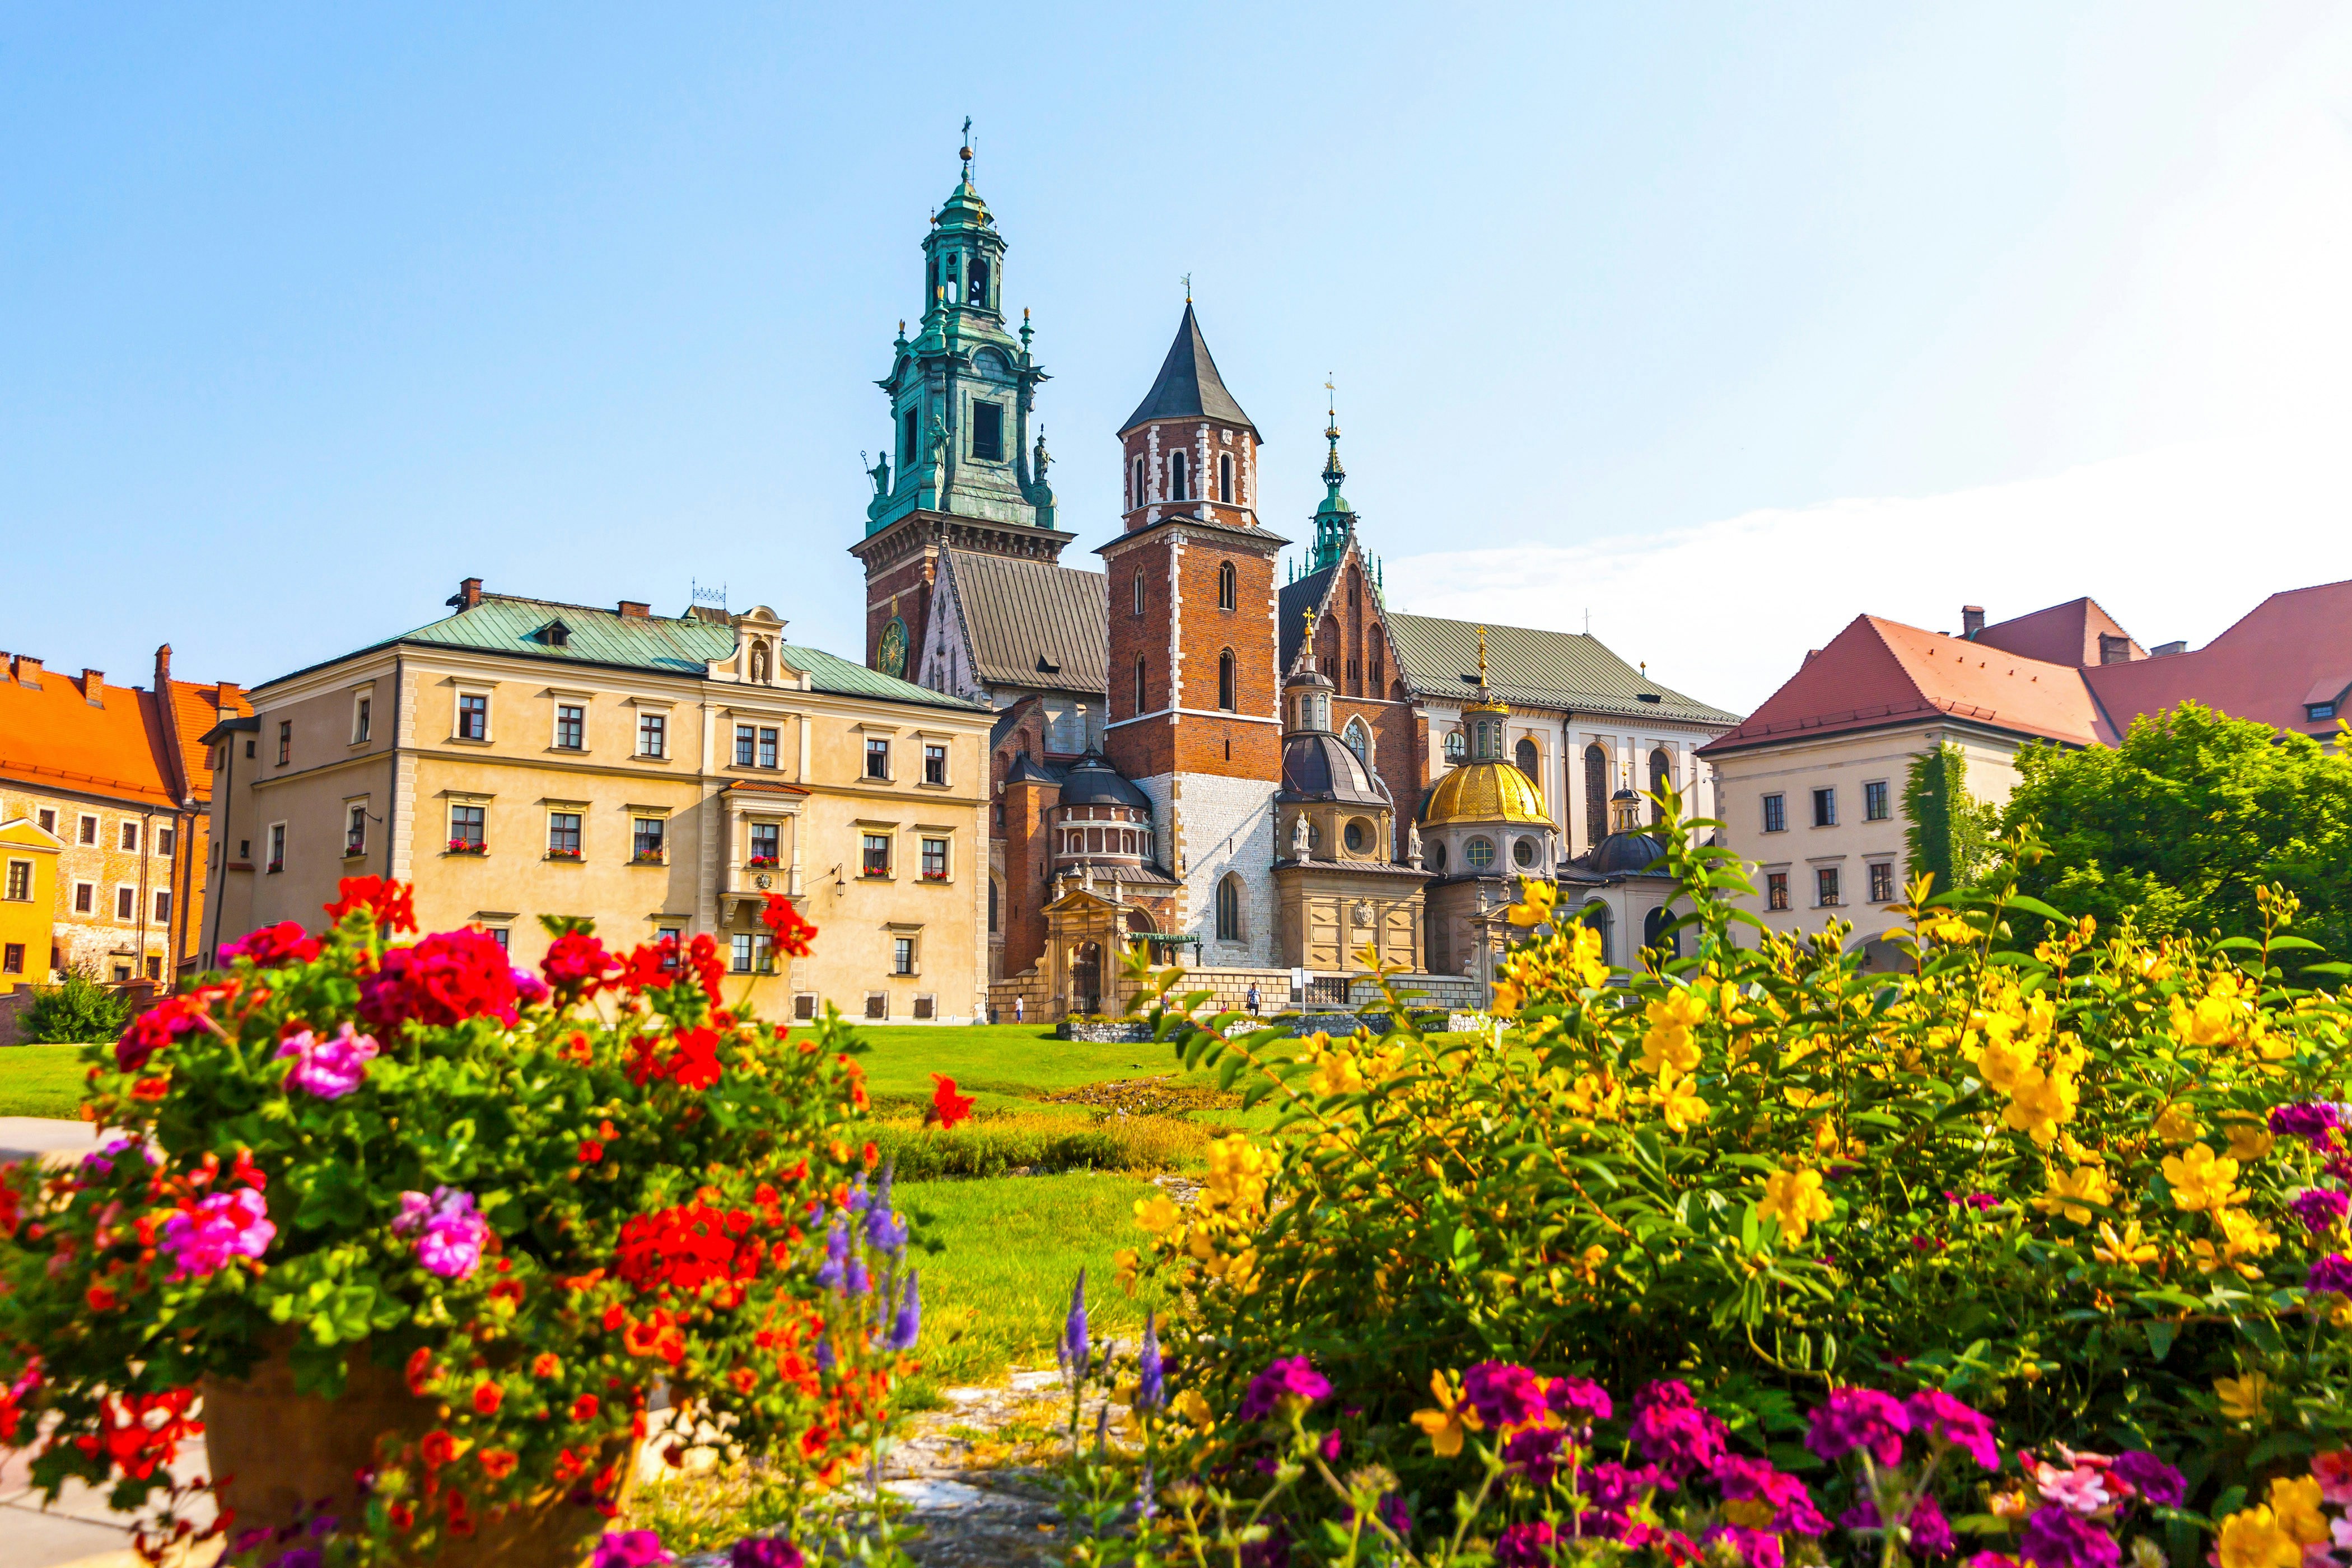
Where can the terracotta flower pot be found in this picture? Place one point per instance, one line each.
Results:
(283, 1452)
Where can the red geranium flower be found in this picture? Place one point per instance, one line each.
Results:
(487, 1396)
(793, 934)
(584, 1408)
(436, 1449)
(546, 1365)
(498, 1463)
(445, 979)
(575, 961)
(947, 1106)
(270, 946)
(393, 904)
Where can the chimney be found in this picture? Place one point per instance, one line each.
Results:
(225, 697)
(635, 609)
(2167, 649)
(1810, 653)
(2114, 649)
(93, 687)
(164, 671)
(1971, 620)
(29, 671)
(469, 595)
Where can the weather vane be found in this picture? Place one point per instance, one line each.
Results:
(1188, 288)
(964, 152)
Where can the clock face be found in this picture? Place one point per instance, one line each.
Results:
(891, 659)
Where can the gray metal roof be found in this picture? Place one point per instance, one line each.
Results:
(1024, 616)
(1531, 668)
(1188, 384)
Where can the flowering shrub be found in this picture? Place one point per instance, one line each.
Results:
(2096, 1190)
(533, 1196)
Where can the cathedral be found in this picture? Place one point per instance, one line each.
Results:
(1260, 768)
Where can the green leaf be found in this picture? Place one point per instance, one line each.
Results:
(2160, 1335)
(2036, 906)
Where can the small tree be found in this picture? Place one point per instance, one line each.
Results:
(1950, 832)
(76, 1012)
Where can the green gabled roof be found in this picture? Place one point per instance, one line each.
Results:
(1536, 669)
(664, 645)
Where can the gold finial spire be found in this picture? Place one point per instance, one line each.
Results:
(1482, 658)
(964, 152)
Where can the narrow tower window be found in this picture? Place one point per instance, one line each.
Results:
(988, 430)
(1226, 680)
(1225, 595)
(1139, 590)
(1596, 795)
(1661, 773)
(1225, 479)
(1526, 755)
(1176, 477)
(1139, 683)
(906, 449)
(1138, 498)
(979, 283)
(1229, 908)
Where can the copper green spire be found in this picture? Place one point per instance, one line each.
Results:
(1335, 517)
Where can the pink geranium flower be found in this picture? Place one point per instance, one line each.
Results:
(449, 1233)
(220, 1228)
(331, 1069)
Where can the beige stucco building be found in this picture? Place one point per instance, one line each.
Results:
(521, 758)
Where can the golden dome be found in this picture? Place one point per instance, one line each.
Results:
(1485, 792)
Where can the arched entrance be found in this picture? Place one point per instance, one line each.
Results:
(1086, 977)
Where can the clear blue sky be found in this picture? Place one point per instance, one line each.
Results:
(306, 313)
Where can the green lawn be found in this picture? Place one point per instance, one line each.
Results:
(997, 1291)
(41, 1080)
(1003, 1064)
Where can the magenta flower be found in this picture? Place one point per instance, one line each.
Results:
(2057, 1539)
(1578, 1401)
(2151, 1477)
(2319, 1208)
(1743, 1479)
(1977, 1201)
(630, 1548)
(330, 1070)
(1673, 1433)
(1292, 1377)
(220, 1227)
(765, 1552)
(2310, 1119)
(2332, 1273)
(1503, 1395)
(1755, 1548)
(1534, 1453)
(1940, 1417)
(1525, 1546)
(1860, 1418)
(449, 1233)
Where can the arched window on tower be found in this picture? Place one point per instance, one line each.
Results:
(1661, 773)
(1225, 479)
(1138, 495)
(1176, 491)
(1529, 759)
(1377, 686)
(978, 292)
(1139, 684)
(1139, 589)
(1456, 747)
(1226, 596)
(952, 277)
(1355, 598)
(1360, 741)
(1225, 672)
(1229, 908)
(1596, 795)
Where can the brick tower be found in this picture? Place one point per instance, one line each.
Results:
(1194, 699)
(959, 471)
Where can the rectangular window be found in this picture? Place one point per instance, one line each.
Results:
(166, 840)
(571, 727)
(130, 838)
(874, 860)
(878, 1005)
(1776, 890)
(48, 819)
(935, 764)
(89, 830)
(362, 715)
(935, 859)
(673, 934)
(902, 955)
(908, 439)
(653, 734)
(1874, 801)
(284, 741)
(804, 1005)
(645, 842)
(752, 953)
(2317, 710)
(563, 836)
(878, 757)
(20, 881)
(154, 967)
(988, 431)
(356, 829)
(473, 717)
(126, 904)
(766, 838)
(466, 825)
(1825, 808)
(12, 959)
(1882, 882)
(163, 906)
(1775, 813)
(502, 936)
(767, 747)
(1825, 883)
(85, 899)
(927, 1007)
(277, 847)
(745, 740)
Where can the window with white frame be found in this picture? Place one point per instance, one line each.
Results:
(1775, 813)
(653, 733)
(646, 838)
(88, 830)
(878, 757)
(167, 838)
(1825, 885)
(48, 818)
(902, 955)
(20, 882)
(935, 762)
(163, 906)
(363, 716)
(466, 825)
(1875, 806)
(771, 749)
(563, 836)
(1825, 808)
(277, 846)
(752, 952)
(766, 844)
(571, 726)
(126, 902)
(284, 741)
(1882, 881)
(935, 859)
(355, 828)
(85, 898)
(130, 838)
(874, 855)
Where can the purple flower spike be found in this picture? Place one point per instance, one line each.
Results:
(1860, 1418)
(908, 1326)
(1151, 1374)
(1671, 1431)
(1074, 1345)
(1578, 1400)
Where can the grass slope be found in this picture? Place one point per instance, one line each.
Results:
(41, 1080)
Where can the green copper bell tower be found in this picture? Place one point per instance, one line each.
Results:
(1334, 517)
(961, 468)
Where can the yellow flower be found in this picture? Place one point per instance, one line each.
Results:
(1946, 927)
(1126, 1262)
(2249, 1140)
(1667, 1048)
(1679, 1103)
(2039, 1103)
(1535, 900)
(2068, 1191)
(1336, 1073)
(2251, 1538)
(2178, 1125)
(1193, 1408)
(2199, 1179)
(1587, 1263)
(2003, 1062)
(1507, 998)
(2126, 1249)
(2242, 1235)
(2242, 1398)
(1794, 1198)
(1599, 1098)
(2296, 1504)
(1156, 1214)
(1445, 1424)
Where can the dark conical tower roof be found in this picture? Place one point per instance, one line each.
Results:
(1188, 384)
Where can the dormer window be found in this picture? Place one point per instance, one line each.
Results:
(2317, 711)
(555, 634)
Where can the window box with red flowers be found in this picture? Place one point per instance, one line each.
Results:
(355, 851)
(468, 847)
(655, 859)
(353, 1205)
(762, 862)
(563, 854)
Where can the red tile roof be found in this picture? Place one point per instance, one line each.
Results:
(2292, 649)
(2062, 633)
(52, 737)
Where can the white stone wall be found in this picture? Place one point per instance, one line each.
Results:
(1227, 825)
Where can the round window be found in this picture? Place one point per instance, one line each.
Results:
(1436, 856)
(1480, 853)
(1523, 850)
(1360, 836)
